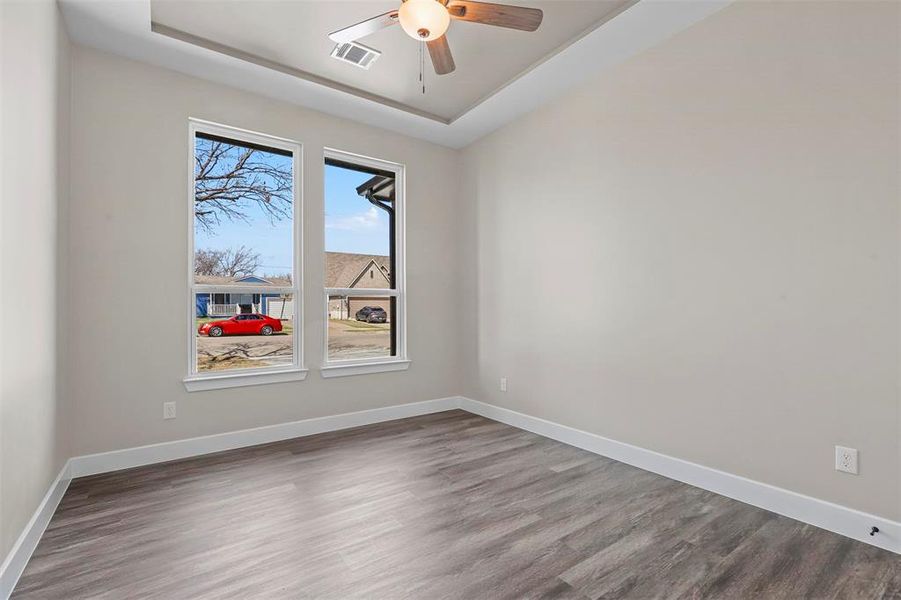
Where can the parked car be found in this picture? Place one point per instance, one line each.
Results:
(372, 314)
(246, 324)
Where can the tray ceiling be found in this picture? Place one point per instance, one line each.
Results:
(125, 28)
(295, 35)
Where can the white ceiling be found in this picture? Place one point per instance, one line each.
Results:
(262, 60)
(295, 34)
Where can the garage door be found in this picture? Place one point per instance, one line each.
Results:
(280, 309)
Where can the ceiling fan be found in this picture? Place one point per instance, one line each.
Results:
(428, 20)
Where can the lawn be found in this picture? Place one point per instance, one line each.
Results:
(362, 324)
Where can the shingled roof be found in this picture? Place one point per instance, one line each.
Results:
(258, 281)
(343, 268)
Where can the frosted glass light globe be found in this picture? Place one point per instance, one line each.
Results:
(424, 20)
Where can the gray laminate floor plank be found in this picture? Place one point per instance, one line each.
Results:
(449, 505)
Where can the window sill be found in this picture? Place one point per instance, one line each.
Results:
(200, 383)
(339, 370)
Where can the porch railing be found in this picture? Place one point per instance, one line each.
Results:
(227, 310)
(221, 310)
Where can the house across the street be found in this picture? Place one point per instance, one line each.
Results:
(343, 270)
(346, 270)
(249, 300)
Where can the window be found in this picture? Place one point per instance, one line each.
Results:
(364, 265)
(244, 308)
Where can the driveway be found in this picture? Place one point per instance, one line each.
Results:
(346, 340)
(244, 351)
(353, 339)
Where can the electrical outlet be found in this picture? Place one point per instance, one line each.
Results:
(846, 459)
(503, 384)
(168, 410)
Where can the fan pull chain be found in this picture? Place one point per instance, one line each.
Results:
(422, 65)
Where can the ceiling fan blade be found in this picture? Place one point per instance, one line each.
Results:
(364, 28)
(499, 15)
(442, 59)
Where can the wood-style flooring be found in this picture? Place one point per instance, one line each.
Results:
(449, 505)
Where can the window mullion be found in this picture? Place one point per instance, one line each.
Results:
(361, 292)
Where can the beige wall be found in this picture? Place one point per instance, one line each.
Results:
(34, 93)
(128, 254)
(709, 239)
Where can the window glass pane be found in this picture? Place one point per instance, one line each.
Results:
(359, 222)
(244, 330)
(243, 214)
(360, 327)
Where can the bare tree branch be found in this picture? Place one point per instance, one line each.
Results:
(233, 262)
(229, 179)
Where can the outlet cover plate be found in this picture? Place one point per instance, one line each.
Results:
(168, 410)
(846, 459)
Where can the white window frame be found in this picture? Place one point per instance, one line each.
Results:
(401, 361)
(198, 381)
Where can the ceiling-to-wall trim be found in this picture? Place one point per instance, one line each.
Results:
(124, 28)
(202, 42)
(562, 47)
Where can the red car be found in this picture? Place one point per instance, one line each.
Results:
(250, 324)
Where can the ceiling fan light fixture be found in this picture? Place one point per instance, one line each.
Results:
(424, 20)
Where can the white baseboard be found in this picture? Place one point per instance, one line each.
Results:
(21, 552)
(833, 517)
(92, 464)
(826, 515)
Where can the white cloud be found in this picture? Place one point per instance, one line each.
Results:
(358, 222)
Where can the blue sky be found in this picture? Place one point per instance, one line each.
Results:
(352, 224)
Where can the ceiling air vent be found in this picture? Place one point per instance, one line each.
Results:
(356, 54)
